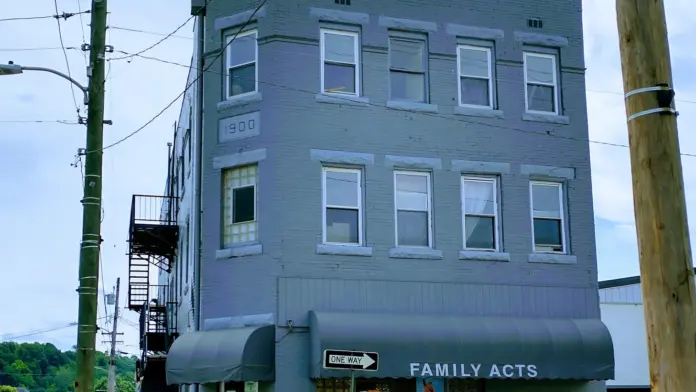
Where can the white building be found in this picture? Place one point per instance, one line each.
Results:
(621, 306)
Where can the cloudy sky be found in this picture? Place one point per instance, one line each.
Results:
(41, 215)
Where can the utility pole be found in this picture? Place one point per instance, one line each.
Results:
(91, 203)
(658, 194)
(111, 387)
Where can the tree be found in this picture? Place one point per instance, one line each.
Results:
(7, 388)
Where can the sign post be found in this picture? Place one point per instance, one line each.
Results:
(351, 360)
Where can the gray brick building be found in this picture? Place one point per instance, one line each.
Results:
(399, 177)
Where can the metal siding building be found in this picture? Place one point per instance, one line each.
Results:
(273, 126)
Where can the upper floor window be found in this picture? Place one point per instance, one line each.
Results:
(475, 76)
(548, 229)
(480, 213)
(242, 56)
(407, 69)
(413, 208)
(541, 83)
(340, 62)
(239, 205)
(342, 206)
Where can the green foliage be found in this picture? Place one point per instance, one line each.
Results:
(43, 368)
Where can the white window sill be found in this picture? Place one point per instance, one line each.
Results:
(552, 258)
(478, 112)
(407, 252)
(239, 251)
(482, 255)
(239, 100)
(413, 106)
(344, 250)
(342, 99)
(546, 118)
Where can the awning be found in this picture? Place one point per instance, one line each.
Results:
(459, 347)
(234, 354)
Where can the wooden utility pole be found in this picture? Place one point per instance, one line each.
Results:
(91, 204)
(658, 194)
(114, 338)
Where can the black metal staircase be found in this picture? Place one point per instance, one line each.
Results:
(153, 238)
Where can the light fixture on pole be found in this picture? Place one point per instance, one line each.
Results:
(16, 69)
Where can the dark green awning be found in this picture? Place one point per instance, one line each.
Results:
(453, 346)
(234, 354)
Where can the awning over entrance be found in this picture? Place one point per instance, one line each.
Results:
(459, 347)
(234, 354)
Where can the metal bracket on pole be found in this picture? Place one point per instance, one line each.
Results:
(665, 98)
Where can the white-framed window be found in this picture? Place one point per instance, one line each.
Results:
(342, 202)
(548, 220)
(413, 205)
(241, 62)
(239, 205)
(475, 76)
(185, 251)
(541, 83)
(340, 62)
(407, 69)
(480, 213)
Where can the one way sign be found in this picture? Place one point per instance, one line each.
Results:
(352, 360)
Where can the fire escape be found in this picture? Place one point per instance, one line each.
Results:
(153, 238)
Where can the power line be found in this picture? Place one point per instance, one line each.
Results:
(348, 100)
(64, 15)
(148, 32)
(188, 85)
(156, 43)
(65, 55)
(36, 332)
(65, 122)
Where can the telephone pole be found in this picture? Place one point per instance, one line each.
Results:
(91, 203)
(658, 194)
(111, 387)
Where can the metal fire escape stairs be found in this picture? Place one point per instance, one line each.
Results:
(153, 239)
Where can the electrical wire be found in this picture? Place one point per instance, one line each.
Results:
(65, 55)
(35, 332)
(435, 115)
(188, 85)
(156, 43)
(64, 122)
(64, 15)
(148, 32)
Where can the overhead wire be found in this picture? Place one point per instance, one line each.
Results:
(65, 55)
(158, 42)
(64, 122)
(64, 15)
(10, 337)
(188, 85)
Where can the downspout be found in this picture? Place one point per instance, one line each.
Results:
(198, 197)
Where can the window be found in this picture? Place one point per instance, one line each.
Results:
(541, 83)
(465, 385)
(231, 386)
(342, 206)
(407, 69)
(340, 57)
(480, 213)
(185, 251)
(182, 173)
(413, 209)
(239, 201)
(475, 76)
(242, 56)
(547, 215)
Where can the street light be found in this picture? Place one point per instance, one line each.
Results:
(16, 69)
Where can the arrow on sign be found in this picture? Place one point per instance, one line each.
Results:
(363, 361)
(351, 360)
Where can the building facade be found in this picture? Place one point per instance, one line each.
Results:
(405, 180)
(621, 304)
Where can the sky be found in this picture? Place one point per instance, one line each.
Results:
(40, 218)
